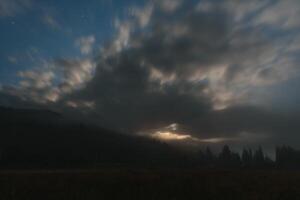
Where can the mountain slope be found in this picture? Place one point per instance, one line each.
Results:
(45, 139)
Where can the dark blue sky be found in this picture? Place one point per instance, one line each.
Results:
(48, 29)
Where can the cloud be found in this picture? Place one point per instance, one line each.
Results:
(282, 14)
(143, 15)
(81, 104)
(169, 5)
(50, 21)
(51, 81)
(9, 8)
(202, 65)
(75, 73)
(35, 79)
(205, 60)
(120, 41)
(85, 44)
(12, 59)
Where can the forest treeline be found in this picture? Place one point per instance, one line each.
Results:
(43, 139)
(285, 158)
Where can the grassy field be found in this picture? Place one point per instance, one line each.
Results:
(149, 184)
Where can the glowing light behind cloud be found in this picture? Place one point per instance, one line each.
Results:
(169, 136)
(172, 136)
(174, 132)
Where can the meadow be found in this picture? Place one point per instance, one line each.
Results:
(149, 184)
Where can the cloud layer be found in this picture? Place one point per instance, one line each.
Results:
(202, 64)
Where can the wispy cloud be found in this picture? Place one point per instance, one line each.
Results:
(85, 44)
(53, 80)
(51, 21)
(12, 59)
(9, 8)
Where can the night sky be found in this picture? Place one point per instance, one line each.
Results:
(194, 71)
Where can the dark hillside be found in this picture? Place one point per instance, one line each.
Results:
(45, 139)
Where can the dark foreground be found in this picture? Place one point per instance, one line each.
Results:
(149, 184)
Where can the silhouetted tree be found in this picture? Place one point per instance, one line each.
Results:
(235, 160)
(210, 158)
(259, 158)
(201, 157)
(247, 158)
(269, 163)
(225, 153)
(287, 157)
(228, 159)
(207, 158)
